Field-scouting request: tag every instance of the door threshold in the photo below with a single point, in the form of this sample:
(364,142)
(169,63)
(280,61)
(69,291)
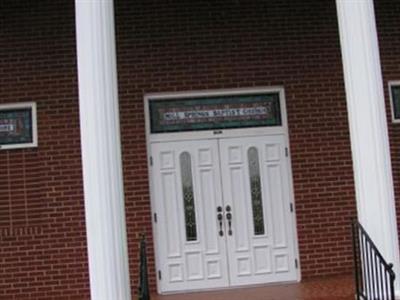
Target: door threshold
(229,288)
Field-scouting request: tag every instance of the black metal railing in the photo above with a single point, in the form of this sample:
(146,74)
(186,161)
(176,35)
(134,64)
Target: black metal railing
(374,276)
(143,275)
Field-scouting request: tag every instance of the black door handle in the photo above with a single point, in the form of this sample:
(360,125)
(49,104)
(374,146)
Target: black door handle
(229,218)
(219,218)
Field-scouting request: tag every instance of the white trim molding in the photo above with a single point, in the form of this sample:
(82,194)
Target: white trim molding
(368,126)
(189,136)
(101,151)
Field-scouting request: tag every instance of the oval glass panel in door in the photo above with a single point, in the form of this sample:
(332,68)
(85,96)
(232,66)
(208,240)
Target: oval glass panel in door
(188,196)
(255,188)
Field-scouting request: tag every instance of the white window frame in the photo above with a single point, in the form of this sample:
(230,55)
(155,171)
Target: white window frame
(390,85)
(207,134)
(32,107)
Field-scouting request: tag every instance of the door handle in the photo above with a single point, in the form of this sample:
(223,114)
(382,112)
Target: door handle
(229,218)
(219,218)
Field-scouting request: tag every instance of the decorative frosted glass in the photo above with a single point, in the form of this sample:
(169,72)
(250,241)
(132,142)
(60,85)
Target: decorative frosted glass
(255,186)
(188,196)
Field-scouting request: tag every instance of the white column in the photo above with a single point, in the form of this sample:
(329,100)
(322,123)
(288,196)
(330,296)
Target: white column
(101,151)
(368,127)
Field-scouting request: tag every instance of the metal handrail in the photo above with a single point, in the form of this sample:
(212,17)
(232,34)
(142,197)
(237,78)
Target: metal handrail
(373,275)
(143,275)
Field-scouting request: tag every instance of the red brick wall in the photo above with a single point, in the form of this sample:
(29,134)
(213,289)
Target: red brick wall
(232,44)
(388,24)
(42,229)
(167,46)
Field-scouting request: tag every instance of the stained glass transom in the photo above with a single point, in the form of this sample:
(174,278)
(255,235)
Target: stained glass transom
(188,196)
(215,112)
(256,195)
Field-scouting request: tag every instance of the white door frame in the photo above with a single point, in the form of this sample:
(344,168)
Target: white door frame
(209,134)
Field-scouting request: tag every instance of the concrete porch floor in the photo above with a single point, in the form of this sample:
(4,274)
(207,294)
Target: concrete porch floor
(329,288)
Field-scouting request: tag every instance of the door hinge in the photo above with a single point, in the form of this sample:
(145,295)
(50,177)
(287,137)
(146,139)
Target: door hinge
(155,217)
(296,263)
(291,207)
(159,274)
(287,151)
(151,160)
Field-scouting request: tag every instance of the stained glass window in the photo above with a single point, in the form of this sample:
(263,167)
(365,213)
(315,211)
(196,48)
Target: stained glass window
(188,196)
(18,125)
(255,187)
(395,97)
(215,112)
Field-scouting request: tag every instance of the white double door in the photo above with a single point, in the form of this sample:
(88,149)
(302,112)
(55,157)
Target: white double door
(222,213)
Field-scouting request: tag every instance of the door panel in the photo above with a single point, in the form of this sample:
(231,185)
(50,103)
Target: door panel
(187,189)
(248,178)
(255,184)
